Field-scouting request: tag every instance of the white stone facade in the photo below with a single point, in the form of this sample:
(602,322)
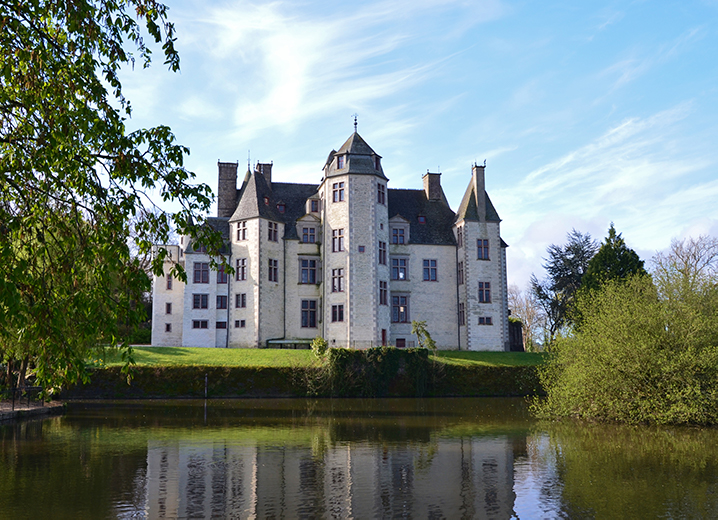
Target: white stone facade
(348,259)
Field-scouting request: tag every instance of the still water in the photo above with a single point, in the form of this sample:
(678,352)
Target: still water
(386,458)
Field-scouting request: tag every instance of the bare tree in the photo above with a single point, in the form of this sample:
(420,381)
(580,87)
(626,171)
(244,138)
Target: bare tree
(526,307)
(690,267)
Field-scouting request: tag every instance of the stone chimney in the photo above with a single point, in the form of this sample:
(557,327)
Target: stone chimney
(477,174)
(266,170)
(226,189)
(432,186)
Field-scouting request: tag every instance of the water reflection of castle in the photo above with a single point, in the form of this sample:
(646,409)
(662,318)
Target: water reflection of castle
(443,478)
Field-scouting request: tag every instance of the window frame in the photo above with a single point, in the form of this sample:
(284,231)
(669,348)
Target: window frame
(337,240)
(338,313)
(382,252)
(240,300)
(200,301)
(402,266)
(338,280)
(200,324)
(311,271)
(396,306)
(383,292)
(484,292)
(240,272)
(222,301)
(482,249)
(430,271)
(221,275)
(309,235)
(273,231)
(168,308)
(381,194)
(338,192)
(201,273)
(273,266)
(241,231)
(308,314)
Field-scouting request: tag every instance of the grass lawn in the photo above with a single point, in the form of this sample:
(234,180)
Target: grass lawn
(466,358)
(224,357)
(167,356)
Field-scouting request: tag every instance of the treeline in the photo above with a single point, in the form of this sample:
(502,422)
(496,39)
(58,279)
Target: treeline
(637,346)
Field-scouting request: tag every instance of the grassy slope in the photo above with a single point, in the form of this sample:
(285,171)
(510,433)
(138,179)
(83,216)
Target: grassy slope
(184,356)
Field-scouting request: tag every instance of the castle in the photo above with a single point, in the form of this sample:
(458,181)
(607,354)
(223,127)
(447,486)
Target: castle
(347,259)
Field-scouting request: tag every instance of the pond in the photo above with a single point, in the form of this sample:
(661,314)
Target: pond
(348,458)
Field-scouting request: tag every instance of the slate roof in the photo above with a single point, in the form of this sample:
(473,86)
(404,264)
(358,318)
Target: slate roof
(219,224)
(360,158)
(411,204)
(251,202)
(294,197)
(468,209)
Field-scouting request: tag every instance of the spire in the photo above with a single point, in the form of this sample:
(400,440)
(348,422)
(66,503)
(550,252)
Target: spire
(355,115)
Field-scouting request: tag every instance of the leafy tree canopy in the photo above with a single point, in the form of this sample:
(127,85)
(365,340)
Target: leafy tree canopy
(565,267)
(71,176)
(613,261)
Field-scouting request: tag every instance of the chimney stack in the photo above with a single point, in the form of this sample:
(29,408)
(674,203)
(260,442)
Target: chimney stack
(266,170)
(477,173)
(432,186)
(226,189)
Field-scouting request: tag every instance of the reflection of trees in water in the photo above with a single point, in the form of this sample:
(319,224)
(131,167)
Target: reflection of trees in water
(614,471)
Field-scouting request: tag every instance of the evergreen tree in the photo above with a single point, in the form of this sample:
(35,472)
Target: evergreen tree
(613,261)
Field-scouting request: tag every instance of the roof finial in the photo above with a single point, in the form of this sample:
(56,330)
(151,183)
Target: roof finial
(354,115)
(249,168)
(484,163)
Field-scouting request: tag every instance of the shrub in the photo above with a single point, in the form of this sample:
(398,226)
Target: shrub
(635,359)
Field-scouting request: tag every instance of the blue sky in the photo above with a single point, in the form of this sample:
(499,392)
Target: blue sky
(586,112)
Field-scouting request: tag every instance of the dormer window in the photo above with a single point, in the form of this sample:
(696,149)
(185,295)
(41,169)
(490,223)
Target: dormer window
(340,162)
(315,206)
(377,164)
(422,219)
(266,201)
(281,208)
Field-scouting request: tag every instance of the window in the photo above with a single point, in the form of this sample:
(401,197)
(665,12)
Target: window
(221,302)
(383,293)
(397,236)
(199,248)
(399,268)
(221,275)
(400,342)
(266,201)
(382,252)
(340,162)
(273,270)
(309,314)
(200,301)
(273,232)
(168,327)
(199,324)
(337,240)
(240,301)
(240,272)
(168,308)
(281,208)
(241,231)
(315,206)
(381,194)
(309,235)
(460,274)
(337,280)
(337,313)
(400,309)
(377,162)
(460,236)
(362,249)
(201,272)
(485,320)
(338,192)
(421,219)
(484,292)
(482,249)
(169,283)
(462,315)
(240,324)
(430,270)
(308,271)
(221,324)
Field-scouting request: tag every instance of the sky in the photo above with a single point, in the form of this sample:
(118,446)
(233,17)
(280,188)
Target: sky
(586,113)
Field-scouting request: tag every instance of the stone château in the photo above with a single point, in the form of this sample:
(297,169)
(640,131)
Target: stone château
(348,259)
